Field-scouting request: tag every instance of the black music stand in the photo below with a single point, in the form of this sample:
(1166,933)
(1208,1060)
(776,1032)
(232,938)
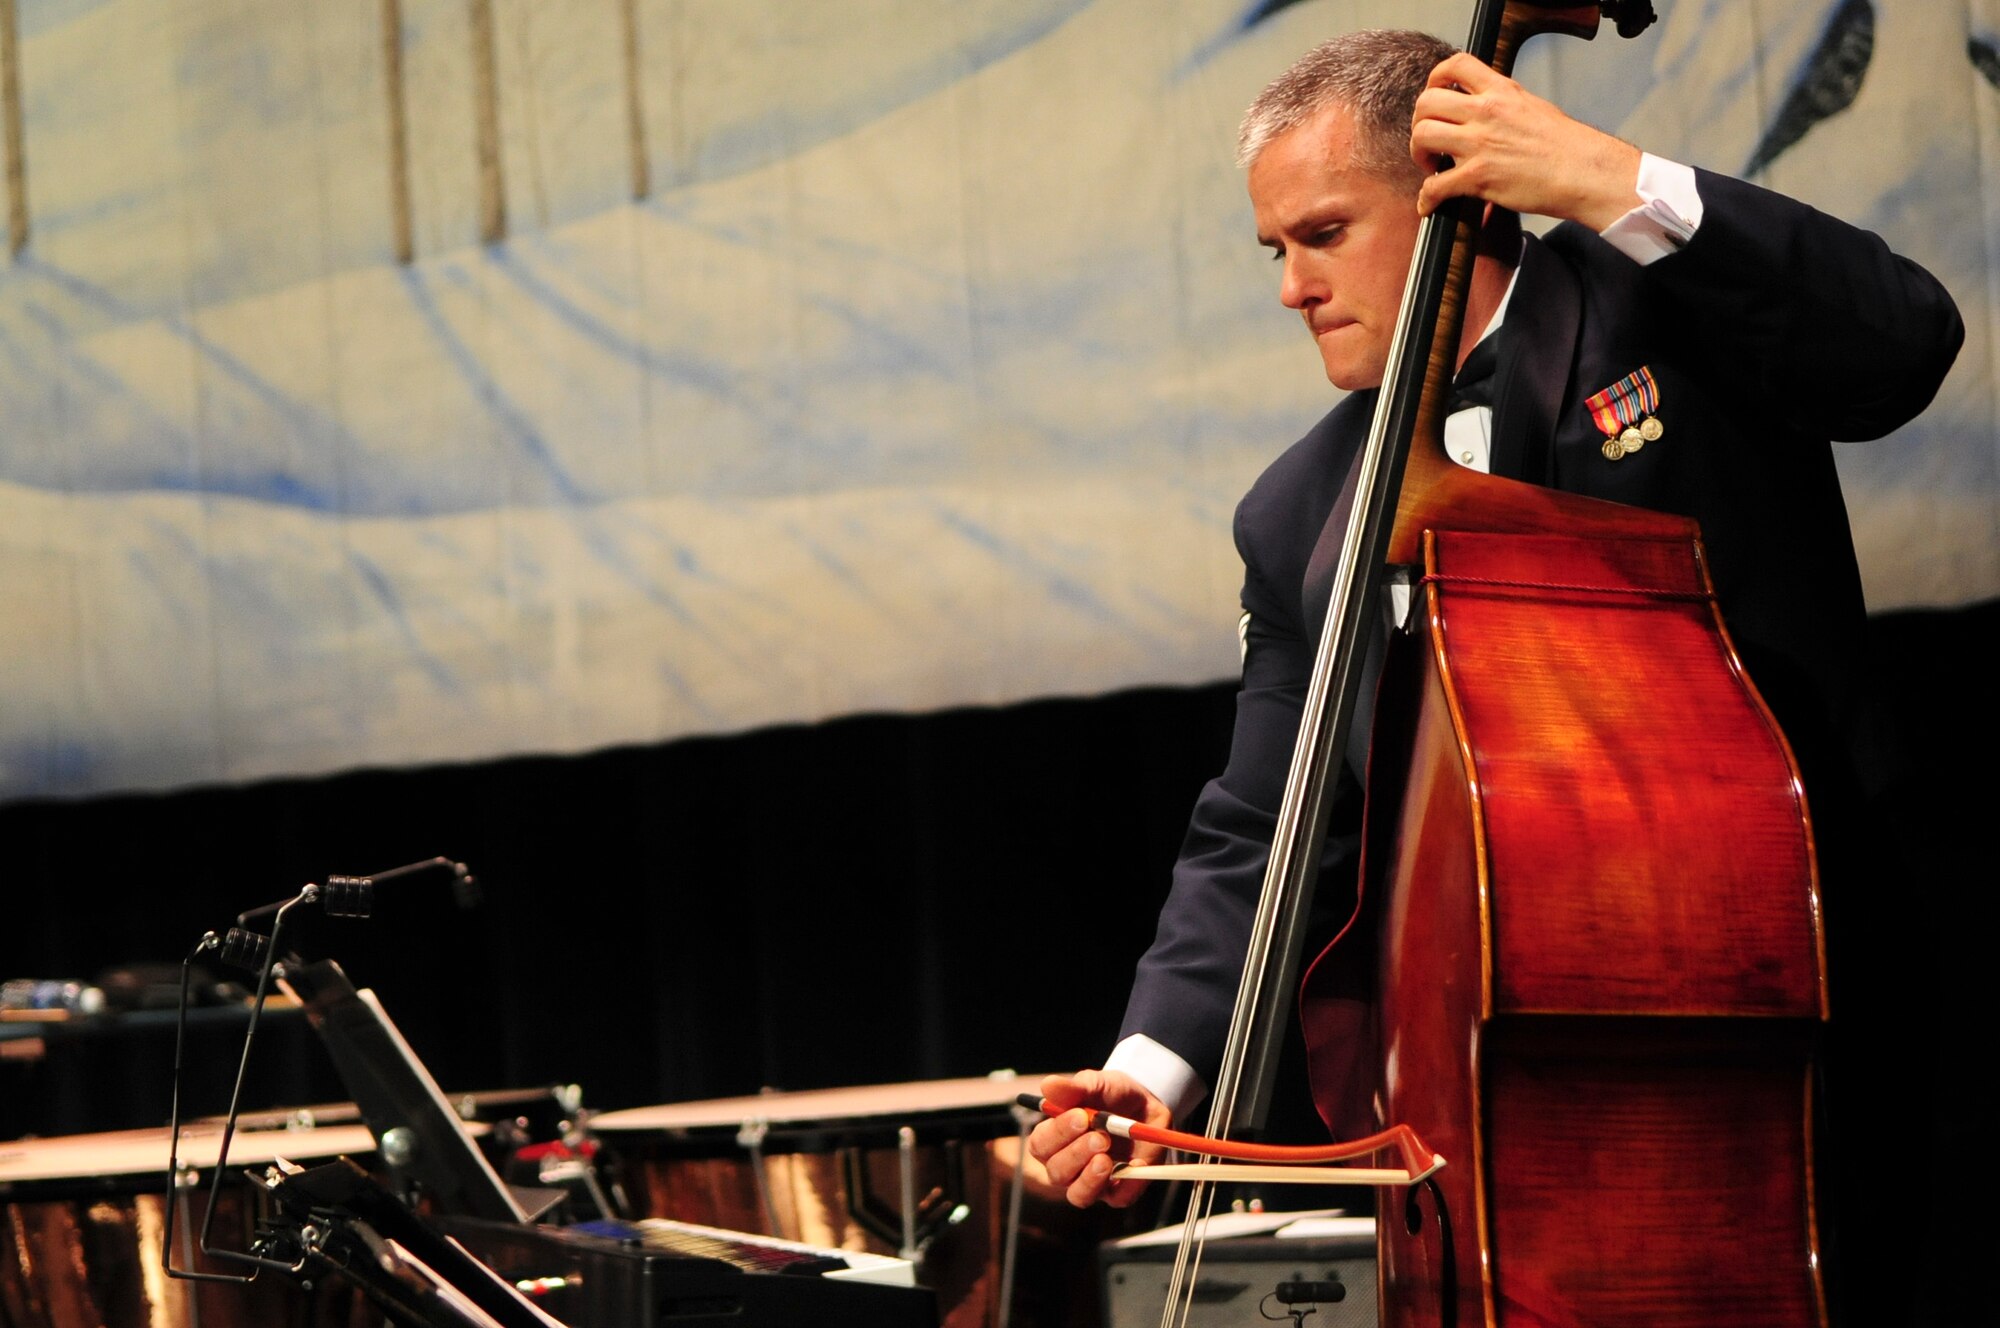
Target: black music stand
(344,1224)
(414,1127)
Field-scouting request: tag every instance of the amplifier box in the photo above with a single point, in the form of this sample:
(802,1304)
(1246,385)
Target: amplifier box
(1241,1275)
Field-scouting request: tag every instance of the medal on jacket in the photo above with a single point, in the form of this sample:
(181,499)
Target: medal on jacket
(1624,413)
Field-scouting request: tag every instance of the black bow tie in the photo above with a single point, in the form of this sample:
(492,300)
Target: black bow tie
(1474,384)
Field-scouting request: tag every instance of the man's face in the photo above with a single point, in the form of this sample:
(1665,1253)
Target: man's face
(1344,237)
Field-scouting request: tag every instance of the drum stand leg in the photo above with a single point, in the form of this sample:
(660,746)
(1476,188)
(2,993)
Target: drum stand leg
(183,1198)
(906,1166)
(905,1222)
(1003,1312)
(750,1136)
(911,1226)
(912,1247)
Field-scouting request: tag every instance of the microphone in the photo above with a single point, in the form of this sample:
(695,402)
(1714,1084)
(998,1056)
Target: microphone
(354,896)
(348,896)
(465,891)
(246,950)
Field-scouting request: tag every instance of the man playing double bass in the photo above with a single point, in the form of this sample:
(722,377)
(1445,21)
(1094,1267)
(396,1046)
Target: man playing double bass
(1739,331)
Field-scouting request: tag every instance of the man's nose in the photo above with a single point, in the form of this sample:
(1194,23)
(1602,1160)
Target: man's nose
(1300,286)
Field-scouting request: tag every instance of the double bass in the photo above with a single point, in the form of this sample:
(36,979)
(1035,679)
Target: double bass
(1590,911)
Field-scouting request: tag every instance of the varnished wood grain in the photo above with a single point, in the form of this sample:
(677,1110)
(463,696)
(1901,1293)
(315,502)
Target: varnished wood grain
(1597,901)
(1600,950)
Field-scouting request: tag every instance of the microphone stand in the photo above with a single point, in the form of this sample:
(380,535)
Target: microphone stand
(341,896)
(354,896)
(252,946)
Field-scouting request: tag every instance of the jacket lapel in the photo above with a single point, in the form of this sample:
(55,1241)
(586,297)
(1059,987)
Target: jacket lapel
(1538,349)
(1317,588)
(1317,585)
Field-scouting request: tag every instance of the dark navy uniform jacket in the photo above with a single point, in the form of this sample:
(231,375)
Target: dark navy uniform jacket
(1775,331)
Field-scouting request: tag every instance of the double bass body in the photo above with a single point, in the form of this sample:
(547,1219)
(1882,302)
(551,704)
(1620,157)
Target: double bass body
(1601,961)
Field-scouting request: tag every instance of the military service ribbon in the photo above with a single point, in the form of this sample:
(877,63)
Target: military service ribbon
(1625,413)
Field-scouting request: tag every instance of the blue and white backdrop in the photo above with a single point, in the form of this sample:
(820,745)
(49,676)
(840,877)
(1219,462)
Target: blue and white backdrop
(404,381)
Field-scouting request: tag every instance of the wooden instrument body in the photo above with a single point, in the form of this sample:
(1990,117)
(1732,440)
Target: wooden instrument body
(1601,961)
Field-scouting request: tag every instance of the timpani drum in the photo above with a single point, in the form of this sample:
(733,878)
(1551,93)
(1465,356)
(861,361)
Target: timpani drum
(83,1220)
(528,1113)
(509,1124)
(900,1169)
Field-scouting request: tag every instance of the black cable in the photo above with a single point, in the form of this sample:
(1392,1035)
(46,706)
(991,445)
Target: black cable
(1413,1220)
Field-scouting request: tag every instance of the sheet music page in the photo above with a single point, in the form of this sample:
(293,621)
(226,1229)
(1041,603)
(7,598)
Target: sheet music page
(457,1300)
(421,1075)
(1220,1226)
(1335,1225)
(542,1316)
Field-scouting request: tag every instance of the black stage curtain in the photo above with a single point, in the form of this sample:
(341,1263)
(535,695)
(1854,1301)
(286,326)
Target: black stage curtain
(880,899)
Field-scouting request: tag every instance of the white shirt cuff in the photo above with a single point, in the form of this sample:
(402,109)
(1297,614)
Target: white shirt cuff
(1160,1072)
(1668,214)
